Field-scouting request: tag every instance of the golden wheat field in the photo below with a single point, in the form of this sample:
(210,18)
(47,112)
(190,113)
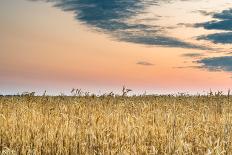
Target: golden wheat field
(110,124)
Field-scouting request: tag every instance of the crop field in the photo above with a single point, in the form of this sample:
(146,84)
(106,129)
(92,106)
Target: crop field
(111,124)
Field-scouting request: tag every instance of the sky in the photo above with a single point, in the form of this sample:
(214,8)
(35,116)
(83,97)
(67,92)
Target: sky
(157,46)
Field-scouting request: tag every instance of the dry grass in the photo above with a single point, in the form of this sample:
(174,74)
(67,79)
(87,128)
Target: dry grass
(116,125)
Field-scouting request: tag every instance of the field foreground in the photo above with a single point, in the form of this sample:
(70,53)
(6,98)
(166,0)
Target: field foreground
(116,125)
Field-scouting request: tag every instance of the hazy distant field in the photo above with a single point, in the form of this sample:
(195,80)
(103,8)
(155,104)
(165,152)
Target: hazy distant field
(116,124)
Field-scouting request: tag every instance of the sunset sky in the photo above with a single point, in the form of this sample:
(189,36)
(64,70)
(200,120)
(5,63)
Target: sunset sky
(158,46)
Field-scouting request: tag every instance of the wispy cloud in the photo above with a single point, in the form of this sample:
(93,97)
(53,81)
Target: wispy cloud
(217,25)
(223,22)
(226,14)
(144,63)
(193,55)
(223,38)
(205,13)
(223,63)
(111,16)
(186,24)
(187,67)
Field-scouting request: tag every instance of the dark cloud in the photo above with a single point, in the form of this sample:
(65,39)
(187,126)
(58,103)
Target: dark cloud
(186,67)
(226,14)
(217,25)
(150,38)
(144,63)
(111,16)
(223,63)
(192,55)
(223,22)
(223,38)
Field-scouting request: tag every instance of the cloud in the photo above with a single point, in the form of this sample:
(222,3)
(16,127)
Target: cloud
(217,25)
(144,63)
(192,55)
(226,14)
(149,38)
(223,38)
(223,63)
(186,24)
(205,13)
(111,17)
(223,22)
(187,67)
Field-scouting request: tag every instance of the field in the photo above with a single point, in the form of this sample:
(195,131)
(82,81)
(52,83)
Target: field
(109,124)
